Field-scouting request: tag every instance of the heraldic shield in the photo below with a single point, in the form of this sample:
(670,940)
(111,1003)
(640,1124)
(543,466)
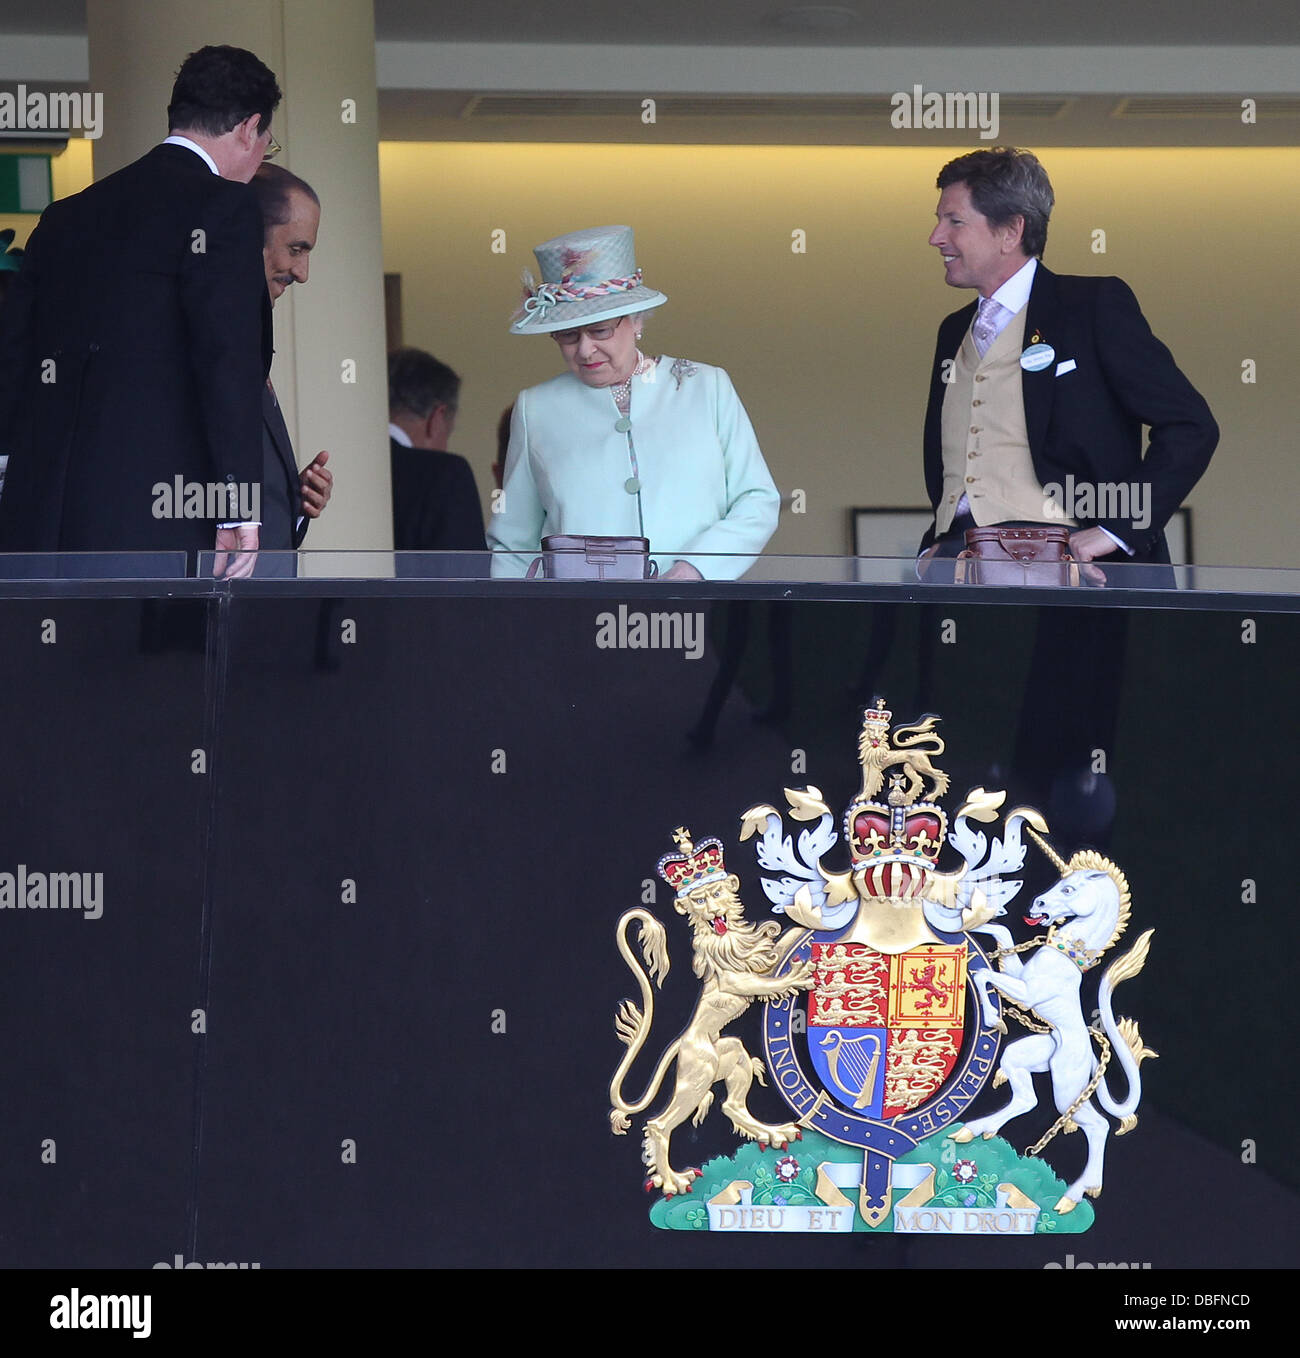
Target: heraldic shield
(884,1032)
(883,1015)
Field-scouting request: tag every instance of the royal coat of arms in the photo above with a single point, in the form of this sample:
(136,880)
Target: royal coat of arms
(884,1013)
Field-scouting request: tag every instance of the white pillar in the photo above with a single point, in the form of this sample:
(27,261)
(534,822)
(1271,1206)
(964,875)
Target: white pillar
(330,363)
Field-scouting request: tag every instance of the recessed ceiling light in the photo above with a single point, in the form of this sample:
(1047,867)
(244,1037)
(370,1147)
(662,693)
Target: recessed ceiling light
(816,18)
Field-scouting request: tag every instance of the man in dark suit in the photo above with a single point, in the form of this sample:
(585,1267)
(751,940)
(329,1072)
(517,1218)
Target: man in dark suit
(1038,397)
(11,260)
(435,501)
(1041,387)
(290,499)
(135,343)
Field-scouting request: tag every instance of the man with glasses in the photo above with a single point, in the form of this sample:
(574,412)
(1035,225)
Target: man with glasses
(135,344)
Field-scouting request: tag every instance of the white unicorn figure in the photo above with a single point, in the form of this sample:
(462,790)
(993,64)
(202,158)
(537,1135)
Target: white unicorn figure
(1087,910)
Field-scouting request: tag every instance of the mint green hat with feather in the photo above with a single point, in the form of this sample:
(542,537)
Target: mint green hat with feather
(587,276)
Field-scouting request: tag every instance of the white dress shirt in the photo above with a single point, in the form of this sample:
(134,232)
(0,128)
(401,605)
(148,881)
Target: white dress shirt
(176,140)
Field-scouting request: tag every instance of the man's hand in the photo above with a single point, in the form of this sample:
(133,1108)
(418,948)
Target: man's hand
(1088,544)
(681,570)
(317,485)
(240,546)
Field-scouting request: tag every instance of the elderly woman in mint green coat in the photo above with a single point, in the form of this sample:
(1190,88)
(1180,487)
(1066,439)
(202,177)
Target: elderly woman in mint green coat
(622,445)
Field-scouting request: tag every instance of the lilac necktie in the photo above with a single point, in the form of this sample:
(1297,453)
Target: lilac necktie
(985,329)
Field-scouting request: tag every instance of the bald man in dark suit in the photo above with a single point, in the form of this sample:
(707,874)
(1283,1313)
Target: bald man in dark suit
(290,499)
(435,501)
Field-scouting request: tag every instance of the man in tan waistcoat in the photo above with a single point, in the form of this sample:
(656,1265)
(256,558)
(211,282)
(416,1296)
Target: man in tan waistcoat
(1041,387)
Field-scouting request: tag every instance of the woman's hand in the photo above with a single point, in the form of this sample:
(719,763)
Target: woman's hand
(681,570)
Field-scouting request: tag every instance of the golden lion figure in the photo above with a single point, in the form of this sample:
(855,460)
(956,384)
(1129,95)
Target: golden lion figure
(735,960)
(875,755)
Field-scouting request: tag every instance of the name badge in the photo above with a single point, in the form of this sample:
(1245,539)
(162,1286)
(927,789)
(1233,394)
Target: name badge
(1037,357)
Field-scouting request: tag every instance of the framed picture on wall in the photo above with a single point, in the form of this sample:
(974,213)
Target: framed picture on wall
(393,310)
(897,531)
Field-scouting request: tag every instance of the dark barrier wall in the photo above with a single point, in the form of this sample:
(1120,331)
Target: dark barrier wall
(349,1001)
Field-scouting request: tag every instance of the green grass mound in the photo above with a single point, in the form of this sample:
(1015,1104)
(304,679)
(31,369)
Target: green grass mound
(966,1177)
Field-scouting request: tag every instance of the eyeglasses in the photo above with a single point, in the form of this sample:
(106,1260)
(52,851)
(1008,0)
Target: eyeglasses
(273,149)
(567,338)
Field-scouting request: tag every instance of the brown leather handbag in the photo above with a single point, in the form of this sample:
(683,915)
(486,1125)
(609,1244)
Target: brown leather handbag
(568,556)
(1017,556)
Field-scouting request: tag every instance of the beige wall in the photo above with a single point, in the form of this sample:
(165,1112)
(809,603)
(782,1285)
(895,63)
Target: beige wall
(70,172)
(830,350)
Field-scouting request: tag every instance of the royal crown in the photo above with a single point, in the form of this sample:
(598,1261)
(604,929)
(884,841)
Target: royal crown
(877,718)
(876,831)
(895,842)
(692,867)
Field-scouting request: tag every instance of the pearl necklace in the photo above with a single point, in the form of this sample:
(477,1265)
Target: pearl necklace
(622,391)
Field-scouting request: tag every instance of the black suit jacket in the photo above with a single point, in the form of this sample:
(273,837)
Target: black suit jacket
(283,523)
(133,350)
(435,502)
(1088,421)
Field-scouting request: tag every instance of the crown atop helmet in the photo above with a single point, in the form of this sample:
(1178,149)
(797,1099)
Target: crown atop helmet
(692,867)
(891,820)
(875,831)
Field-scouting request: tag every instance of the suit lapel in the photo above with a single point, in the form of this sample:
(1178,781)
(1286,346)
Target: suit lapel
(952,331)
(279,432)
(957,325)
(1042,326)
(268,335)
(952,335)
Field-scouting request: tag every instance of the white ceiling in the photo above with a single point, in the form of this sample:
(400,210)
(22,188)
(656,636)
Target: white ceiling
(732,71)
(873,23)
(754,23)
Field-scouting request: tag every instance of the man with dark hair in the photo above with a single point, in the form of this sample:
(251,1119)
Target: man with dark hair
(279,192)
(435,501)
(1040,390)
(216,90)
(290,499)
(1041,387)
(136,341)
